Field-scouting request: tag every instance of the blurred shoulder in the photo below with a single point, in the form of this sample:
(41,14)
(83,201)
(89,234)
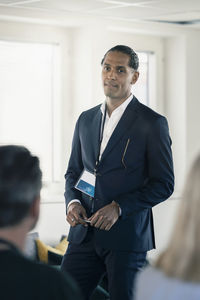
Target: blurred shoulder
(52,278)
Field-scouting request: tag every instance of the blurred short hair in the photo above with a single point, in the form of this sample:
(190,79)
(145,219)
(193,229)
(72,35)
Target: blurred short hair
(20,183)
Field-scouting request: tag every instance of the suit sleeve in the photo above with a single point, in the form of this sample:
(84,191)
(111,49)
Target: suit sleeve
(75,167)
(160,183)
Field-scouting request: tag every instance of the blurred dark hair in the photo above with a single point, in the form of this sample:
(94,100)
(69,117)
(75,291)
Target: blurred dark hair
(134,60)
(20,183)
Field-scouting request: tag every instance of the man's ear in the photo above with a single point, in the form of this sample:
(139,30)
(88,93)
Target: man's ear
(35,208)
(34,212)
(135,77)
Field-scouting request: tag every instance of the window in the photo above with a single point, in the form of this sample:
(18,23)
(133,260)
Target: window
(144,87)
(30,101)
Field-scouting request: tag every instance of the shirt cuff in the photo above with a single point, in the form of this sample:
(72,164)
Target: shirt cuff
(119,208)
(120,211)
(73,201)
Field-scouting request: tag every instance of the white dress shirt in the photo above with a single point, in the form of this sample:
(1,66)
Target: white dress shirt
(109,126)
(111,122)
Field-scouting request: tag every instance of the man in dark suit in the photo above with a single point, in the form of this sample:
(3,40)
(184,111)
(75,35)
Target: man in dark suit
(120,167)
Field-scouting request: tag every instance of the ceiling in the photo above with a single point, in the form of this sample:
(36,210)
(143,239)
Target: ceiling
(183,12)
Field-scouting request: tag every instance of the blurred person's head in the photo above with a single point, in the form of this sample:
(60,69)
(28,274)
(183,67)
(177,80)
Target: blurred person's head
(182,257)
(20,185)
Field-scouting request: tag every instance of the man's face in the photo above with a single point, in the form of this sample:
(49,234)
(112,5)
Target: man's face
(117,76)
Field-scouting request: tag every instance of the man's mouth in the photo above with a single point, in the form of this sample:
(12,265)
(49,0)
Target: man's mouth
(110,84)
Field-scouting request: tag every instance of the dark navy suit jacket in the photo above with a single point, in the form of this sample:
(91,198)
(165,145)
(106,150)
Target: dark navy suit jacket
(144,178)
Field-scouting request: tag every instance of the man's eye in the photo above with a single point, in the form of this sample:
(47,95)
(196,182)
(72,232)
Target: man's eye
(120,71)
(106,68)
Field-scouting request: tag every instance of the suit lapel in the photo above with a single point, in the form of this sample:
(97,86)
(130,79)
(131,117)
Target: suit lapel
(127,119)
(95,132)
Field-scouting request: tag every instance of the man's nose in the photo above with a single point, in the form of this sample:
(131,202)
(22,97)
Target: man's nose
(112,74)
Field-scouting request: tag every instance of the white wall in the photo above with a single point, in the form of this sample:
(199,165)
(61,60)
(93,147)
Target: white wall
(193,94)
(164,220)
(177,92)
(175,101)
(52,222)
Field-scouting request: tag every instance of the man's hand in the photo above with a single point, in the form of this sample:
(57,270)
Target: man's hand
(76,214)
(105,217)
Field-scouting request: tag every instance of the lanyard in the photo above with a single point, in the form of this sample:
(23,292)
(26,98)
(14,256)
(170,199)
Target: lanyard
(101,138)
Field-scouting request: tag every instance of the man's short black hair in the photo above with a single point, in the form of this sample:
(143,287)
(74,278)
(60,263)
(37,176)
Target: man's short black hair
(134,60)
(20,183)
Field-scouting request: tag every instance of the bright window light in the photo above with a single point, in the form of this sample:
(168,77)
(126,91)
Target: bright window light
(30,101)
(144,86)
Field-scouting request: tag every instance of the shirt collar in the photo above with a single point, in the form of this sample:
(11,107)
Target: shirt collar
(121,107)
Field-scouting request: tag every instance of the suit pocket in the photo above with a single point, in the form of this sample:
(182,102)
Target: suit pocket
(124,153)
(77,234)
(133,155)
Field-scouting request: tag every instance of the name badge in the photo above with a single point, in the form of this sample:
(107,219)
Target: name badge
(86,183)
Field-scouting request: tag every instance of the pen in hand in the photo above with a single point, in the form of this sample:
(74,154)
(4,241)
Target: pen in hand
(85,220)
